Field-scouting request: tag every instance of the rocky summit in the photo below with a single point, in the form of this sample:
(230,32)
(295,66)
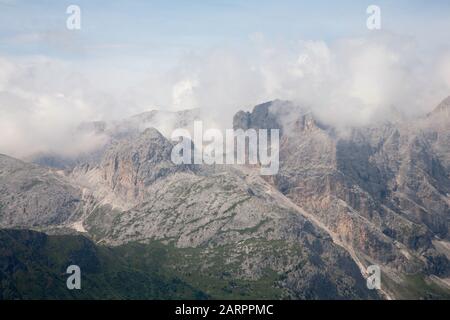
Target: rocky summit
(344,199)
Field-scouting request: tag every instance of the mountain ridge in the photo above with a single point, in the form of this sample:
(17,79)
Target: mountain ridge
(375,195)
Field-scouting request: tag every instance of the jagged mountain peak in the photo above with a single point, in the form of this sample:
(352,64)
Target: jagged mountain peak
(277,114)
(376,194)
(151,133)
(150,146)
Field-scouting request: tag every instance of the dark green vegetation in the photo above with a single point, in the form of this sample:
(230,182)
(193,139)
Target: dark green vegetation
(33,266)
(416,286)
(212,271)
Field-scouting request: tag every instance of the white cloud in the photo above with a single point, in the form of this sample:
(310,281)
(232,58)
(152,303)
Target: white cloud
(183,96)
(444,69)
(349,82)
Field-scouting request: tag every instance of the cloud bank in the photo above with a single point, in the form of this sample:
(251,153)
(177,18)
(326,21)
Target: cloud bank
(347,82)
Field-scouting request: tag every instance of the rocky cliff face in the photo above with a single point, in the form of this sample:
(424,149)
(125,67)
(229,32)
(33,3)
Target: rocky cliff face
(213,208)
(382,191)
(32,196)
(342,200)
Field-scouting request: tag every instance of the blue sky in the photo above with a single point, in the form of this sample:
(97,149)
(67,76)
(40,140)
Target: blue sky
(167,29)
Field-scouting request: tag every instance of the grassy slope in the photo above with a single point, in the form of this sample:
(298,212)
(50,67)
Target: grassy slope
(416,286)
(33,265)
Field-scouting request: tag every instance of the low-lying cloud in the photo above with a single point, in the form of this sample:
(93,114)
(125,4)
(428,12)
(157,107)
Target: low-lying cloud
(347,82)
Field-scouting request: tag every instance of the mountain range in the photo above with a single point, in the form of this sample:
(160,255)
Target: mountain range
(140,226)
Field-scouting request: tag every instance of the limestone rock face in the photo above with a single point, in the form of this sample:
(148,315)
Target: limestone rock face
(144,197)
(382,191)
(129,166)
(341,201)
(32,196)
